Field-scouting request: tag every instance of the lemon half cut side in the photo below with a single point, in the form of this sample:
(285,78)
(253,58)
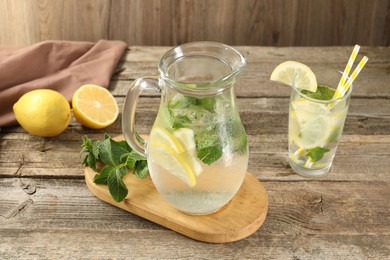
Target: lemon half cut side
(94,106)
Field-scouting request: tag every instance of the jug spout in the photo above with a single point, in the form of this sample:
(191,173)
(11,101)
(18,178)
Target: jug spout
(201,68)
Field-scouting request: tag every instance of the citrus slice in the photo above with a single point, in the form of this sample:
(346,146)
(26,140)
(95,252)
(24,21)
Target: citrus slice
(176,153)
(306,110)
(294,130)
(160,135)
(173,162)
(186,137)
(315,133)
(94,106)
(315,123)
(295,74)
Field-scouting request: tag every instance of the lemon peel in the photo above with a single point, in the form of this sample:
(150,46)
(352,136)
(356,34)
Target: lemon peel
(43,112)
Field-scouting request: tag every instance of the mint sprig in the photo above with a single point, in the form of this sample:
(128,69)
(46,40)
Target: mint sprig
(118,158)
(215,123)
(317,153)
(322,93)
(188,112)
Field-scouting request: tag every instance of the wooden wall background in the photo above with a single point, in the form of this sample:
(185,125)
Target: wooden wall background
(171,22)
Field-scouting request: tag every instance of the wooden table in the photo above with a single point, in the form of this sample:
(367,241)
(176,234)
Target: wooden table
(47,211)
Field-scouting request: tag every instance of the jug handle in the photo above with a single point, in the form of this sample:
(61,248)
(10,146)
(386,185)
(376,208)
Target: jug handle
(128,116)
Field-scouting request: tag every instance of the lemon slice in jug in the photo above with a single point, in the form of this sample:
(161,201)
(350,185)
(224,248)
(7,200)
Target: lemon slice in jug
(173,162)
(176,153)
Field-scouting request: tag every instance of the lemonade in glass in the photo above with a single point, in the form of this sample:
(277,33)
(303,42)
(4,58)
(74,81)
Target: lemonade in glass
(316,117)
(315,126)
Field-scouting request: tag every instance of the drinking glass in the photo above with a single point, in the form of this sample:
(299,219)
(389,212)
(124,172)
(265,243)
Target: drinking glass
(315,127)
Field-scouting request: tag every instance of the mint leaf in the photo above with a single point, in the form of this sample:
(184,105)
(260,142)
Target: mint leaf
(118,149)
(206,139)
(118,158)
(316,153)
(132,158)
(87,147)
(110,151)
(180,101)
(180,122)
(322,93)
(101,178)
(210,154)
(207,103)
(236,134)
(123,145)
(116,186)
(87,144)
(141,169)
(105,153)
(240,144)
(91,161)
(96,148)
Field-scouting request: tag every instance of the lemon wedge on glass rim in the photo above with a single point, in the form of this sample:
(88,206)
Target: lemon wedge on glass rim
(295,74)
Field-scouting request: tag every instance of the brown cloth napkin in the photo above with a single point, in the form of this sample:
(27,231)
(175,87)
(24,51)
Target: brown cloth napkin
(60,65)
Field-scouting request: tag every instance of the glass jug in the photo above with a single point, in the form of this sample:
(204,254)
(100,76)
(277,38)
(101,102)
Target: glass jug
(197,151)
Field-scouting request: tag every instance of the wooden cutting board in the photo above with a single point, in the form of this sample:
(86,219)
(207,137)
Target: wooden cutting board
(241,217)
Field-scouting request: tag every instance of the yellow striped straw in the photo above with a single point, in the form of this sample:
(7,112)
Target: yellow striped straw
(354,74)
(340,88)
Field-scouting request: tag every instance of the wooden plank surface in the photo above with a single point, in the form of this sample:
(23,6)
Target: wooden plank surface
(47,212)
(265,121)
(307,219)
(254,80)
(172,22)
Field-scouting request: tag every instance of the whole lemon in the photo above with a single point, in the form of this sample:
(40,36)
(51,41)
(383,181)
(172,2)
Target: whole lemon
(43,112)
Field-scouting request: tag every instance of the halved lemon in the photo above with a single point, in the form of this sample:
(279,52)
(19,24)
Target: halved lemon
(94,106)
(296,74)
